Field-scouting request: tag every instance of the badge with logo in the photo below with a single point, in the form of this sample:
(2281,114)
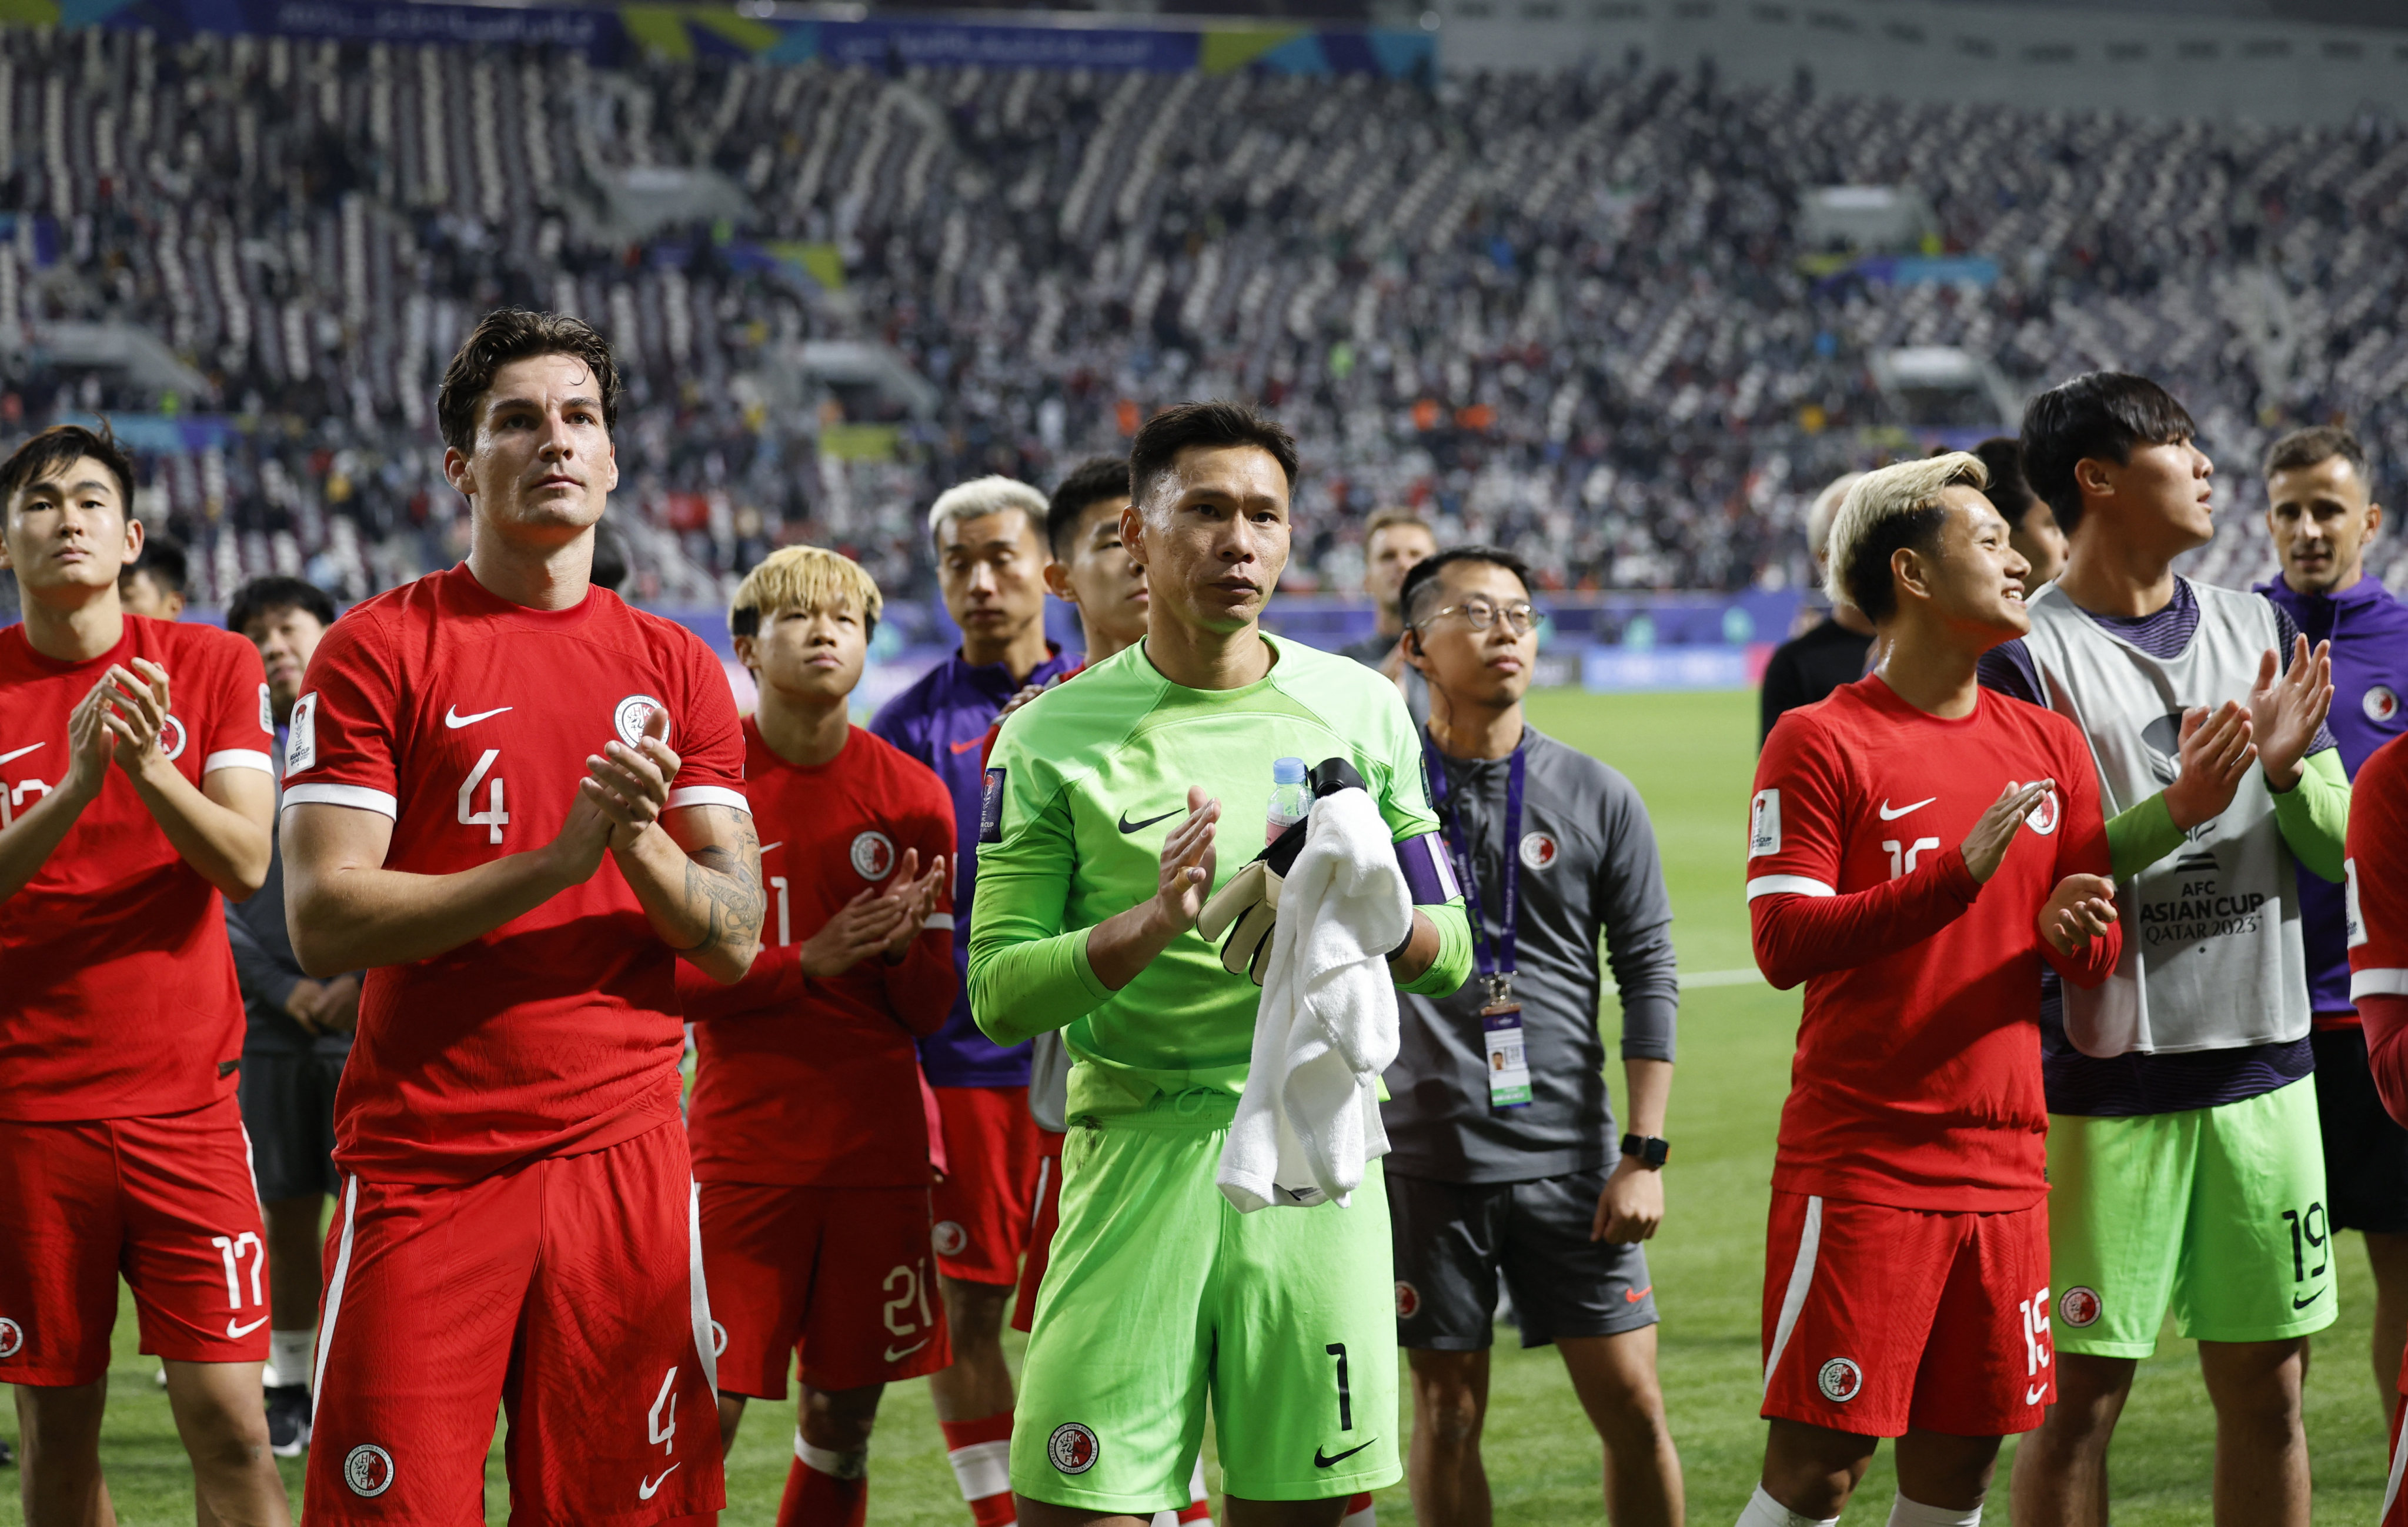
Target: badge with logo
(369,1470)
(171,738)
(1764,825)
(301,742)
(1409,1300)
(718,1340)
(947,1237)
(2080,1306)
(873,855)
(1539,850)
(2381,703)
(1072,1449)
(990,809)
(267,713)
(12,1338)
(2042,818)
(1841,1380)
(629,716)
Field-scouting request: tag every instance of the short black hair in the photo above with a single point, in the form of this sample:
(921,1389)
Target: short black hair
(515,333)
(267,596)
(2099,416)
(1091,483)
(1425,573)
(59,447)
(2317,443)
(2010,492)
(1215,424)
(609,558)
(166,560)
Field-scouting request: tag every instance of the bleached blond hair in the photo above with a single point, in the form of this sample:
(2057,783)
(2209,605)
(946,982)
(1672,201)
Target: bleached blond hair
(1825,507)
(1891,493)
(802,578)
(982,495)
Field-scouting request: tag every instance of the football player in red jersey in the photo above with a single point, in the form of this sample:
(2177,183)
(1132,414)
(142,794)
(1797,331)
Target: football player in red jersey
(809,1121)
(2375,892)
(135,785)
(518,803)
(1917,847)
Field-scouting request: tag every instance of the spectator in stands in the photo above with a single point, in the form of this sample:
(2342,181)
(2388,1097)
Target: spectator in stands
(296,1036)
(2321,511)
(1394,542)
(1834,652)
(2031,525)
(154,586)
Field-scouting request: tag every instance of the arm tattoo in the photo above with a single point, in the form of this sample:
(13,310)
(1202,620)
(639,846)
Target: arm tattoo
(722,888)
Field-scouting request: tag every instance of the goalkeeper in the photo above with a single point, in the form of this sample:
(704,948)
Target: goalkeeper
(1102,841)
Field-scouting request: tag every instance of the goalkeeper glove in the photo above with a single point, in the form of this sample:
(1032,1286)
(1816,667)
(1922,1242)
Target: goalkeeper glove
(1244,913)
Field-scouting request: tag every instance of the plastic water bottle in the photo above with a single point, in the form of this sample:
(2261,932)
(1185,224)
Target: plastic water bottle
(1291,797)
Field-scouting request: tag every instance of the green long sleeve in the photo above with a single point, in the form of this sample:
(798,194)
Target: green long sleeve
(2141,837)
(2314,815)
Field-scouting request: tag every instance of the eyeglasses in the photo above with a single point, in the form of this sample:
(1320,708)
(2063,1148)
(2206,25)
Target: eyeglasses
(1520,616)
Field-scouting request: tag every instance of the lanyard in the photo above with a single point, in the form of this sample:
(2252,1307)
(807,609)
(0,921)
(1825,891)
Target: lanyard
(1498,968)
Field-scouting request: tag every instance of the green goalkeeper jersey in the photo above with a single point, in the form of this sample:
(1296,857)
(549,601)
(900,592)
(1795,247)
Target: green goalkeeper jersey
(1085,782)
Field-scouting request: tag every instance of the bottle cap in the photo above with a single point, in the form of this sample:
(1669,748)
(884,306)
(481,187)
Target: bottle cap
(1288,772)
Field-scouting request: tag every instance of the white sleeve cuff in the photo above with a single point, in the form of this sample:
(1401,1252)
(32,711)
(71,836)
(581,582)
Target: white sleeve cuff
(359,798)
(709,794)
(2377,984)
(938,919)
(1787,886)
(237,757)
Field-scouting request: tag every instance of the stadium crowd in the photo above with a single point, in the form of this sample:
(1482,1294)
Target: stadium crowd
(1576,315)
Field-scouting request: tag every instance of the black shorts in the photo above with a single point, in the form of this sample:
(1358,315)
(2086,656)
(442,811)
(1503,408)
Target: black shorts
(1454,1240)
(288,1109)
(2366,1151)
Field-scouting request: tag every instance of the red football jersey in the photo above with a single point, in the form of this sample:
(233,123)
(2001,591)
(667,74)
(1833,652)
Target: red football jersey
(809,1083)
(120,995)
(468,720)
(1917,1079)
(2376,895)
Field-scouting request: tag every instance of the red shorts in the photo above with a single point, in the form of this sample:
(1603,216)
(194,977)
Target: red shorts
(166,1199)
(798,1270)
(568,1292)
(982,1205)
(1041,1226)
(2395,1500)
(1877,1319)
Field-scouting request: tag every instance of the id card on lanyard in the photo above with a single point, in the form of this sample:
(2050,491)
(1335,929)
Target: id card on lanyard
(1500,1016)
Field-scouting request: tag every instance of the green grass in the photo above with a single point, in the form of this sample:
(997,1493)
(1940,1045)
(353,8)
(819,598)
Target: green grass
(1691,756)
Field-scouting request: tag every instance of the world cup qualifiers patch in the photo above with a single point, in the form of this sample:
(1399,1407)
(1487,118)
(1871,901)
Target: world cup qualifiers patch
(301,742)
(990,809)
(1764,825)
(369,1470)
(1841,1380)
(1072,1449)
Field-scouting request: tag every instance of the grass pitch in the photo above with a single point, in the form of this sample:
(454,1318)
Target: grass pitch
(1691,756)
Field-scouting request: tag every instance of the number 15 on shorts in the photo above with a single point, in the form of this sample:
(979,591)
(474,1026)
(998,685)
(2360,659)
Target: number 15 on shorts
(2037,1350)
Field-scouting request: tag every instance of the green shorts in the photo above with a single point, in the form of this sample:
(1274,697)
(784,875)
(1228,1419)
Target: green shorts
(2217,1213)
(1160,1295)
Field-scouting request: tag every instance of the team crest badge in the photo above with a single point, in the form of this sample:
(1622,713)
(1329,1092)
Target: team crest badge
(1072,1449)
(2044,817)
(629,716)
(2080,1306)
(1409,1300)
(1841,1380)
(2381,703)
(873,855)
(171,738)
(12,1338)
(1539,850)
(369,1470)
(947,1237)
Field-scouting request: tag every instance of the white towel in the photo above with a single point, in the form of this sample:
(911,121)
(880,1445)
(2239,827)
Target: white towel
(1309,1120)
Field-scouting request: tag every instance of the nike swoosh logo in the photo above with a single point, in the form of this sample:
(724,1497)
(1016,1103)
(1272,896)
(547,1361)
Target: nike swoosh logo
(2035,1394)
(1127,826)
(2299,1304)
(1889,816)
(894,1356)
(1635,1295)
(1321,1462)
(650,1488)
(965,747)
(238,1333)
(454,719)
(5,758)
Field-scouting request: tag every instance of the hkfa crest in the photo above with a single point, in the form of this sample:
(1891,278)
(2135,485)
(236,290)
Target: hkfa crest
(369,1470)
(873,855)
(1539,850)
(1409,1300)
(12,1338)
(2381,703)
(948,1238)
(1072,1449)
(2080,1306)
(1840,1380)
(629,716)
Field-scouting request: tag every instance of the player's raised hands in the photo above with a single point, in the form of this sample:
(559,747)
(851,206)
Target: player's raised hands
(911,897)
(2081,908)
(866,924)
(585,836)
(134,710)
(631,786)
(2215,754)
(1985,846)
(1188,862)
(2286,708)
(90,743)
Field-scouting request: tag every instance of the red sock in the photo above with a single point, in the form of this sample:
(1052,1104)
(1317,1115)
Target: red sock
(1199,1511)
(824,1490)
(980,1453)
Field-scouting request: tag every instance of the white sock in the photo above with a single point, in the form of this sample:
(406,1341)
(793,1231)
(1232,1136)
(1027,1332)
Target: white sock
(1764,1511)
(288,1356)
(1367,1517)
(1906,1513)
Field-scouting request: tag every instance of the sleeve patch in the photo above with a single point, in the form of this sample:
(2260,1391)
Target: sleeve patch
(1764,825)
(990,809)
(301,747)
(2355,919)
(267,711)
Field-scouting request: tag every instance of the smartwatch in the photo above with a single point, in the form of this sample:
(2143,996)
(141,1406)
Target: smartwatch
(1650,1149)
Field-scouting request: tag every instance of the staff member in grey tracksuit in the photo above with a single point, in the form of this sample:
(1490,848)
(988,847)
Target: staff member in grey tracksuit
(1504,1157)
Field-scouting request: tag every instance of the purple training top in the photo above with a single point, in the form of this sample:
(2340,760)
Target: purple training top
(2369,632)
(942,720)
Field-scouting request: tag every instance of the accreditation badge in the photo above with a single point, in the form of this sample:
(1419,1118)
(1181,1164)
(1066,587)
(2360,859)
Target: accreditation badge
(1509,1063)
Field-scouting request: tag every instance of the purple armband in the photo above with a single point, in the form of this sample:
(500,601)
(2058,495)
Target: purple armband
(1429,874)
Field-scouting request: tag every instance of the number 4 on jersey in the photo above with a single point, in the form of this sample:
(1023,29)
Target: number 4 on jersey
(492,817)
